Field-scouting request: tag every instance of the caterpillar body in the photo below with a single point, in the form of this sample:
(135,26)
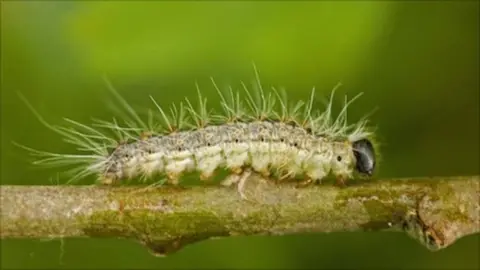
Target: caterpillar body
(262,133)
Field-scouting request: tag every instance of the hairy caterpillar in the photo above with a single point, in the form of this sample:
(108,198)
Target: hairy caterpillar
(262,133)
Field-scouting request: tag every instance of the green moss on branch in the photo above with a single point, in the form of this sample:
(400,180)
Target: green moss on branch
(437,211)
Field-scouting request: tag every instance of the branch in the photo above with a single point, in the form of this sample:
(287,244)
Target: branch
(435,211)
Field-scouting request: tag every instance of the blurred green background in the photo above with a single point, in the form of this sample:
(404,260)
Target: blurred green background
(417,63)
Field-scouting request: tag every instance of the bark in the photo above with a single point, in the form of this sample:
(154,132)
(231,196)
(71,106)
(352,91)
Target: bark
(435,211)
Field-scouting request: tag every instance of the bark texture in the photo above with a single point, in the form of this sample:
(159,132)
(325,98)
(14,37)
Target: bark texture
(435,211)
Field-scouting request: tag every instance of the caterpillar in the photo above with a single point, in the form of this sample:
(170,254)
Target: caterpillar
(257,131)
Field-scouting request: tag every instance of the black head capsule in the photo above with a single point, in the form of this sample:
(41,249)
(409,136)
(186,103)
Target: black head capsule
(365,156)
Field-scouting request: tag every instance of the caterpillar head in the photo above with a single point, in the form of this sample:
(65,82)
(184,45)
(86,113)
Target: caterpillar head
(364,153)
(358,156)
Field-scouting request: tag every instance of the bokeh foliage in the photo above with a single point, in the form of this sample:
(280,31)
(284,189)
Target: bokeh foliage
(416,62)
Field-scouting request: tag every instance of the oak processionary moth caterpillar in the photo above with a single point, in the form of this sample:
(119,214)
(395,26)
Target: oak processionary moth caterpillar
(262,133)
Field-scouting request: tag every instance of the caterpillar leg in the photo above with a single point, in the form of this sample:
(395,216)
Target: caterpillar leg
(341,181)
(108,179)
(305,183)
(231,180)
(239,179)
(268,174)
(145,135)
(206,176)
(207,166)
(237,170)
(173,178)
(312,176)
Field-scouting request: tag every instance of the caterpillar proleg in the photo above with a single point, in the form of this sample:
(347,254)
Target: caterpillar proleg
(257,131)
